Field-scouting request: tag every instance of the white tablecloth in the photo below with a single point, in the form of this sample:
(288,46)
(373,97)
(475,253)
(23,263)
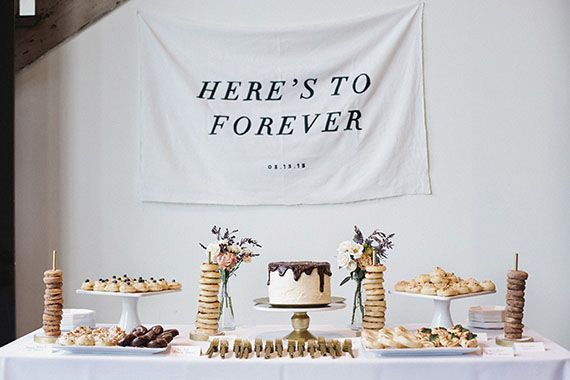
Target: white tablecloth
(22,360)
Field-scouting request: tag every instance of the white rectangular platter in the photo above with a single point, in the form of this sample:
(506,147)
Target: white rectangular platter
(440,298)
(119,294)
(437,351)
(109,350)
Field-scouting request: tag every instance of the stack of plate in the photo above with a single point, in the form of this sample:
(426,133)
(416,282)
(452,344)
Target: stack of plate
(73,318)
(487,317)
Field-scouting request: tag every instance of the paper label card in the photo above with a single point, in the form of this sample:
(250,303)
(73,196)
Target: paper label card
(499,351)
(186,351)
(529,347)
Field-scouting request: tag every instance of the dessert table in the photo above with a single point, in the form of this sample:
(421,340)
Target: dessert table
(24,360)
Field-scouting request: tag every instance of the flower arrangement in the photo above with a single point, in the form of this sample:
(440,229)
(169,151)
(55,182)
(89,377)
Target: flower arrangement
(229,252)
(356,255)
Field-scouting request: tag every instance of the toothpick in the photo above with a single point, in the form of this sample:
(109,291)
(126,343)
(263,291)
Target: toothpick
(373,258)
(516,261)
(209,257)
(53,259)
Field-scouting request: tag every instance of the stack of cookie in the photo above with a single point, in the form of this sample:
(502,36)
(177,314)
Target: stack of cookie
(53,302)
(208,302)
(516,283)
(375,304)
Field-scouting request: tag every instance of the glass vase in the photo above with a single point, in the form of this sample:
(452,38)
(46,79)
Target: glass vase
(227,316)
(357,308)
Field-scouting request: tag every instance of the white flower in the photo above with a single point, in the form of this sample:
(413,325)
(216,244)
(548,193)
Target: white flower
(352,266)
(350,247)
(357,250)
(343,259)
(234,248)
(213,249)
(344,246)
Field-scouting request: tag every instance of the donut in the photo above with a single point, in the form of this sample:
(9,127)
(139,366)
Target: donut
(205,267)
(515,303)
(376,292)
(210,287)
(211,274)
(375,297)
(205,280)
(209,299)
(375,268)
(373,325)
(374,275)
(516,293)
(373,313)
(374,303)
(515,287)
(517,275)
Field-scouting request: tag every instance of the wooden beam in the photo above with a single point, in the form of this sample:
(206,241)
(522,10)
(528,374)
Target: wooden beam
(57,20)
(7,261)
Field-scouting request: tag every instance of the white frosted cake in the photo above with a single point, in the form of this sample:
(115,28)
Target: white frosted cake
(299,283)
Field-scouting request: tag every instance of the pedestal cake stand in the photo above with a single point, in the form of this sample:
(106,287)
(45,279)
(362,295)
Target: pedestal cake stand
(129,312)
(300,319)
(441,305)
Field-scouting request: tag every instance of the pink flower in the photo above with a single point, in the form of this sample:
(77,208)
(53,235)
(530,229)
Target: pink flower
(226,260)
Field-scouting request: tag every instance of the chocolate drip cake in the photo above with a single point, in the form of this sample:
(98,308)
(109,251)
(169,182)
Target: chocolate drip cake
(299,283)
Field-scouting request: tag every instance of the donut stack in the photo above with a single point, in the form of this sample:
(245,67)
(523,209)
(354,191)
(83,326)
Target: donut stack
(53,302)
(516,283)
(208,302)
(375,304)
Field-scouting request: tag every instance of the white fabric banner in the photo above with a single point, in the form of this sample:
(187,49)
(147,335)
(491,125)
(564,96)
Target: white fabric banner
(323,113)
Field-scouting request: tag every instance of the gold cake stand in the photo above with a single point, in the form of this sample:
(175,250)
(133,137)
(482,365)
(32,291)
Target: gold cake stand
(300,319)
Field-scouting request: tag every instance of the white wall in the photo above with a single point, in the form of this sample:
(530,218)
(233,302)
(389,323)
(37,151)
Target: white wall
(498,94)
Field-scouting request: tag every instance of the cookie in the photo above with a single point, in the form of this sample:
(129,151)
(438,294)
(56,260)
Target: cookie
(368,287)
(213,315)
(373,313)
(374,275)
(375,292)
(208,299)
(375,268)
(375,309)
(213,323)
(376,297)
(373,325)
(515,287)
(204,280)
(205,267)
(209,305)
(211,274)
(51,273)
(207,293)
(206,331)
(517,275)
(206,326)
(373,319)
(374,303)
(210,287)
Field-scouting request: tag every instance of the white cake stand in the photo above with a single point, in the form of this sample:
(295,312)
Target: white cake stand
(300,319)
(129,312)
(441,305)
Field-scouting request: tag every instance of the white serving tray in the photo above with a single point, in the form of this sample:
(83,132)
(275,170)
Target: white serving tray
(119,294)
(441,298)
(486,325)
(109,350)
(436,351)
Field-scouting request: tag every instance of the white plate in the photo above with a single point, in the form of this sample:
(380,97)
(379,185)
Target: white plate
(486,325)
(437,351)
(109,350)
(487,313)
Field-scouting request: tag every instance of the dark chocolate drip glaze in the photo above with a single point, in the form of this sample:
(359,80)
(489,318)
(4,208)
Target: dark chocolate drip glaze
(300,267)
